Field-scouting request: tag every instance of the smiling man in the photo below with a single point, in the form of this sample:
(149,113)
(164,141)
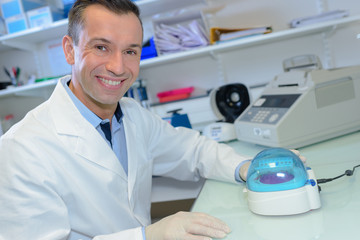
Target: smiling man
(105,55)
(80,165)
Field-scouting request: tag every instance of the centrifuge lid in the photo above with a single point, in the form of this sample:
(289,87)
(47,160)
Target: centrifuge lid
(276,169)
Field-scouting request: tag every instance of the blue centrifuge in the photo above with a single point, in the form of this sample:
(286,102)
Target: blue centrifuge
(278,183)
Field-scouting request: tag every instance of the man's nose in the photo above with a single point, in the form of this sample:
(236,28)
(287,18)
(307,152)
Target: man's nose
(116,63)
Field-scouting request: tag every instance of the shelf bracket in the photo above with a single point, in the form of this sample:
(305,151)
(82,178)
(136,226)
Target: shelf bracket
(326,38)
(322,6)
(221,72)
(213,55)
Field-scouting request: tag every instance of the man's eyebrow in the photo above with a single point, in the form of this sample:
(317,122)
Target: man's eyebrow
(134,45)
(100,40)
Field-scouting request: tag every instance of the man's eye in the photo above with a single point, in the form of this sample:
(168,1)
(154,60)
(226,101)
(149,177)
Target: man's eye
(101,48)
(130,52)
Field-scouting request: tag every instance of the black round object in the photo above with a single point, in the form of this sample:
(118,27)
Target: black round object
(3,85)
(232,100)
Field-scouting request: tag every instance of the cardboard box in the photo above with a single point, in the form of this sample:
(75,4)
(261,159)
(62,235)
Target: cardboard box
(11,8)
(43,16)
(16,23)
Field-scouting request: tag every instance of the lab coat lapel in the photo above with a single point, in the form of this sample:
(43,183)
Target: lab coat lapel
(140,166)
(93,147)
(133,158)
(88,144)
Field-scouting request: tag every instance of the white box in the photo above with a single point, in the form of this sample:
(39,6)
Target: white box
(43,16)
(16,23)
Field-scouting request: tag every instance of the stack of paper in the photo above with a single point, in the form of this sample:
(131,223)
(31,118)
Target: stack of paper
(180,37)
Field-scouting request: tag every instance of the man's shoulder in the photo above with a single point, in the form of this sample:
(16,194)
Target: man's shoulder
(32,121)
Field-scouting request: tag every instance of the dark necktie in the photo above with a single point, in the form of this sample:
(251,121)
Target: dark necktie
(105,127)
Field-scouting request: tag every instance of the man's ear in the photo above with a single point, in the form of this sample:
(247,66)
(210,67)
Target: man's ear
(68,48)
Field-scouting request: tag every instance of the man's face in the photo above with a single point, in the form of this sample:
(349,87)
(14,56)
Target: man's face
(105,63)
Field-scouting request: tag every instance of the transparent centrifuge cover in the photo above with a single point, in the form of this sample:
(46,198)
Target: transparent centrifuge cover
(276,169)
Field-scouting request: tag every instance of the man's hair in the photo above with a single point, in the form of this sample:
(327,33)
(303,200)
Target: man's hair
(76,18)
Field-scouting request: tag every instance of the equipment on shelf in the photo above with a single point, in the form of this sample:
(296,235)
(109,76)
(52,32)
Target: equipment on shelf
(227,103)
(304,105)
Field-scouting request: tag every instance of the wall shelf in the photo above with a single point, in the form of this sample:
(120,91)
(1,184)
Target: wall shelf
(27,90)
(28,39)
(250,41)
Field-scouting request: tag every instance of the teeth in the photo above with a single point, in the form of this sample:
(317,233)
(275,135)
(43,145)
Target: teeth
(109,82)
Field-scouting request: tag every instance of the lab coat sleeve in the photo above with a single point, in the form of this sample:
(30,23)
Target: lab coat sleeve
(184,154)
(193,155)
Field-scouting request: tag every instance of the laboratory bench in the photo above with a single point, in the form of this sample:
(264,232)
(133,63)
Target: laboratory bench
(337,218)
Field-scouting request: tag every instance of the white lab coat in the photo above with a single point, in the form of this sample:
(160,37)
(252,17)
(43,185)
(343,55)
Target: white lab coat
(59,179)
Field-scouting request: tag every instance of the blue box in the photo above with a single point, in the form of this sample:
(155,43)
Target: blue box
(16,23)
(179,120)
(148,50)
(11,8)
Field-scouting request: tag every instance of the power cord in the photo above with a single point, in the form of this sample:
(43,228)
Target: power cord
(347,173)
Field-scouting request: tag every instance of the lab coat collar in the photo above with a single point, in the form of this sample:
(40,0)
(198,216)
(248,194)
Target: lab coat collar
(69,122)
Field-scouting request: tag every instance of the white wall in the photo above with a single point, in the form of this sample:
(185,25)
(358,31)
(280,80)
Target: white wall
(14,58)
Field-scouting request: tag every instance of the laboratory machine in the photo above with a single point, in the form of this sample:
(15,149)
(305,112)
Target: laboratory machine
(278,183)
(302,106)
(227,103)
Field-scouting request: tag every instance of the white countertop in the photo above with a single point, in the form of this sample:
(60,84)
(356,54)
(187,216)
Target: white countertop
(338,217)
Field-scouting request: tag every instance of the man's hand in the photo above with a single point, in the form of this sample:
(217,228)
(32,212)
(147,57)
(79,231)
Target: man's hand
(302,158)
(187,226)
(244,170)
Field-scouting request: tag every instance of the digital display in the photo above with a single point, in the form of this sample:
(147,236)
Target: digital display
(277,101)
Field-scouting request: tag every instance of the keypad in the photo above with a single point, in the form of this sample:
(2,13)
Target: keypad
(260,116)
(263,115)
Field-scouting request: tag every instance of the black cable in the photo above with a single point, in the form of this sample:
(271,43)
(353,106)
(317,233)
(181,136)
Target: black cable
(347,173)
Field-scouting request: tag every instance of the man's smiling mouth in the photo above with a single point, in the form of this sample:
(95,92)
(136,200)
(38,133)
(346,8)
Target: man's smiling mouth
(110,82)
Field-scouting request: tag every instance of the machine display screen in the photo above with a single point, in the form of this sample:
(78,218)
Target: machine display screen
(276,101)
